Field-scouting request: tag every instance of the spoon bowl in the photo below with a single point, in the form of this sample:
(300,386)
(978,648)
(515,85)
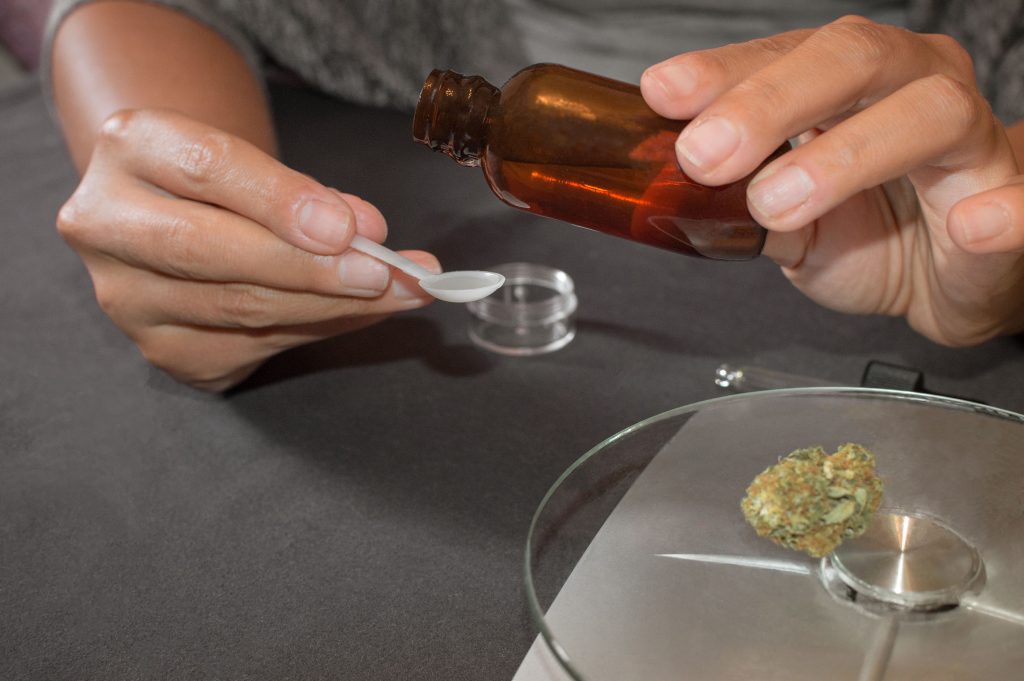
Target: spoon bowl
(452,287)
(462,286)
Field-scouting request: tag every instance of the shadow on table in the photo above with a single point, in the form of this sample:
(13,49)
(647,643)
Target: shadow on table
(392,341)
(403,339)
(388,419)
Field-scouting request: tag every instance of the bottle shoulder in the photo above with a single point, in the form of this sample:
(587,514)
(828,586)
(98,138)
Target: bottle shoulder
(548,77)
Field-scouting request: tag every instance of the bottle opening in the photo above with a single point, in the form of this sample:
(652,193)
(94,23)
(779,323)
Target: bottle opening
(425,107)
(451,115)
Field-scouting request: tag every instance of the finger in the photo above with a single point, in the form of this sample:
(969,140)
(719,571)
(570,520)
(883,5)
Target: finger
(939,126)
(838,70)
(193,160)
(681,87)
(370,221)
(990,221)
(191,240)
(163,300)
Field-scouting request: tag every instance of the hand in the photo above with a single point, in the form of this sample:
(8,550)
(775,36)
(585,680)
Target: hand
(212,256)
(904,196)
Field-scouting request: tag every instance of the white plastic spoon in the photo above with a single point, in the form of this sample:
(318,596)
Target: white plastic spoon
(453,287)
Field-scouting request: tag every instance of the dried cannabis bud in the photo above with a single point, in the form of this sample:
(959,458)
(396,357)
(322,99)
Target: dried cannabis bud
(811,501)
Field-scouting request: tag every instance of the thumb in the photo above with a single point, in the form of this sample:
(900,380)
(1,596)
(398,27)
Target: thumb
(991,221)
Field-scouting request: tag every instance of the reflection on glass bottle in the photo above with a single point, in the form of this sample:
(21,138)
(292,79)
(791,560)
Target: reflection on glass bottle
(588,150)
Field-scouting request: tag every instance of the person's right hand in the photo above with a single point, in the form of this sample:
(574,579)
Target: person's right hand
(905,197)
(212,256)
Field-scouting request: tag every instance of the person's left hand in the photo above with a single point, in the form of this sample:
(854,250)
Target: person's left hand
(904,197)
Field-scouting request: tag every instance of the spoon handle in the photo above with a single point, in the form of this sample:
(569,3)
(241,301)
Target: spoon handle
(385,254)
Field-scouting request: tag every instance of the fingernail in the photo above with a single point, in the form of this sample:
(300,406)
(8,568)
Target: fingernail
(781,191)
(708,144)
(984,222)
(362,275)
(369,219)
(406,289)
(325,223)
(674,80)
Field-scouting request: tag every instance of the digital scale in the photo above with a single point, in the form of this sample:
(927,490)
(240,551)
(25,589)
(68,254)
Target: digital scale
(640,565)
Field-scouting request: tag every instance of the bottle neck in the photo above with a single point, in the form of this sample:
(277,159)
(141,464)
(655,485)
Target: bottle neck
(451,115)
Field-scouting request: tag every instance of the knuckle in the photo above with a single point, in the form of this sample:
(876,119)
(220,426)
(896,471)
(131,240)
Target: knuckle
(860,39)
(709,64)
(247,306)
(950,49)
(853,19)
(772,46)
(283,197)
(80,218)
(764,98)
(161,352)
(853,151)
(275,190)
(201,159)
(119,126)
(71,221)
(960,103)
(107,296)
(179,247)
(294,190)
(286,195)
(188,360)
(202,374)
(152,348)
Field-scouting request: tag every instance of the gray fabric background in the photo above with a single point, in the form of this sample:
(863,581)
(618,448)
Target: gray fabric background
(378,51)
(358,509)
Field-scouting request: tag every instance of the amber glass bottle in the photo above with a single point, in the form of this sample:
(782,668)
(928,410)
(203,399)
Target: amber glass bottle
(587,150)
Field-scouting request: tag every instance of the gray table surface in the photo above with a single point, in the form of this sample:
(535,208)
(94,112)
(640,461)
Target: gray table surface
(358,508)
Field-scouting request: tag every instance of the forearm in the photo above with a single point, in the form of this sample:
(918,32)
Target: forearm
(116,55)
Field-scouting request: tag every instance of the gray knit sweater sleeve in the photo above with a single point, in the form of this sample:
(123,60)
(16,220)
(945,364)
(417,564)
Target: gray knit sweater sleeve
(379,51)
(992,31)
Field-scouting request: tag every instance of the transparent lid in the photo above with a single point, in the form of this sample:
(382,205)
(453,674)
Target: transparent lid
(639,564)
(534,313)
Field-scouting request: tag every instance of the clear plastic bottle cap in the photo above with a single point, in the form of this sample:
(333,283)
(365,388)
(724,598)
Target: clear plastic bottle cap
(533,313)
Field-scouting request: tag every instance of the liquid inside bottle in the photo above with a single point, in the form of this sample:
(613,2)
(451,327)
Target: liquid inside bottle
(587,150)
